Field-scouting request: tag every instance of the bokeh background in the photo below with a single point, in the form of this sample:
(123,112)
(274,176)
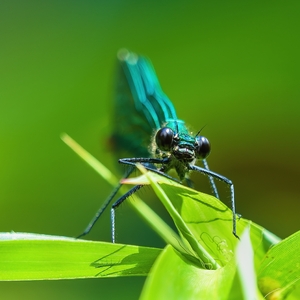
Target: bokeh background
(230,65)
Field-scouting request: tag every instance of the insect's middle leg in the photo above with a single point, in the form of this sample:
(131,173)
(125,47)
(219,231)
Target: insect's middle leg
(104,205)
(211,180)
(116,205)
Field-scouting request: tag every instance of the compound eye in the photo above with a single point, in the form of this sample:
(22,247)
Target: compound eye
(164,138)
(202,147)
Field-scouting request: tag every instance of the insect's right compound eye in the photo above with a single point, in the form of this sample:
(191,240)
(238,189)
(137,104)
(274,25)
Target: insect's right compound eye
(164,138)
(202,147)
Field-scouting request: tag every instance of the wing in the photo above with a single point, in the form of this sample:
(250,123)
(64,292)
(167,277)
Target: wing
(141,107)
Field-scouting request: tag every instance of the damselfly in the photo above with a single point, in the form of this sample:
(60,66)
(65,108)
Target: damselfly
(146,128)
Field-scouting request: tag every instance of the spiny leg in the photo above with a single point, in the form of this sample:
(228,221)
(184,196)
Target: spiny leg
(116,205)
(211,180)
(226,181)
(104,205)
(146,162)
(131,162)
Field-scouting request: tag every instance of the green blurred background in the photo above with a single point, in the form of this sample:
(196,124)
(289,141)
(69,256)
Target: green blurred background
(230,65)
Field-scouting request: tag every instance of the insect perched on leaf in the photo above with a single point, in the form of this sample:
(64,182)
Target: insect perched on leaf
(146,129)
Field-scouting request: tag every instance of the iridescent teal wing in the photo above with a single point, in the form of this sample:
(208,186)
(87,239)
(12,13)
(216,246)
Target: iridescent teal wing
(140,107)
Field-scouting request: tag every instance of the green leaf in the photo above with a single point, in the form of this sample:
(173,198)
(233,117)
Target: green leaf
(25,256)
(174,277)
(208,220)
(279,272)
(245,268)
(105,173)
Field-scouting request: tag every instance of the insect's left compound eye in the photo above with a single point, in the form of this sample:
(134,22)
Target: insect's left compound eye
(202,147)
(164,138)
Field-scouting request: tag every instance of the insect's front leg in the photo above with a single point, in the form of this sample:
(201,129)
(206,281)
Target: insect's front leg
(148,163)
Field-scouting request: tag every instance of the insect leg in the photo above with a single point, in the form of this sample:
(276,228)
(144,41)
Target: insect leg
(116,205)
(211,180)
(226,181)
(104,206)
(148,164)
